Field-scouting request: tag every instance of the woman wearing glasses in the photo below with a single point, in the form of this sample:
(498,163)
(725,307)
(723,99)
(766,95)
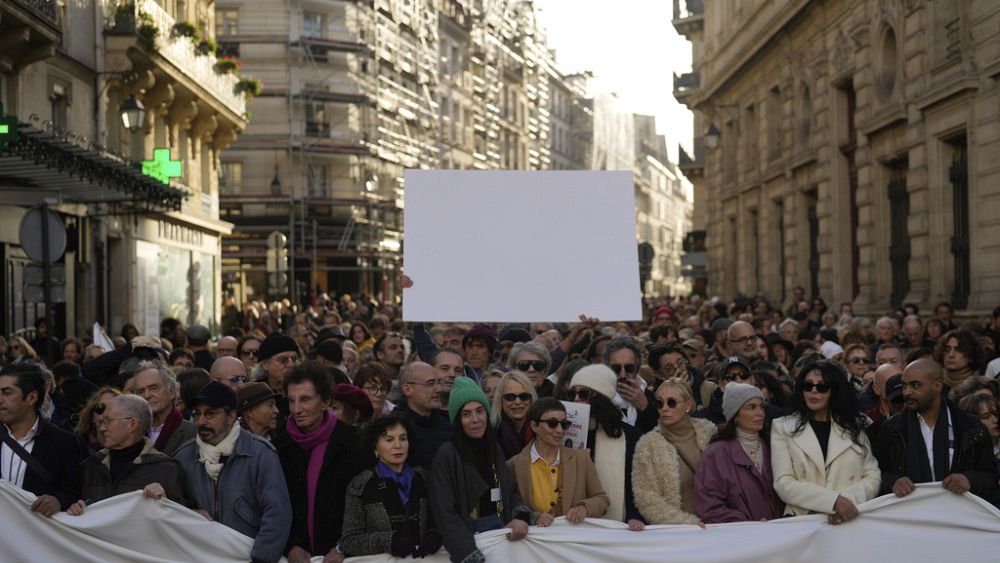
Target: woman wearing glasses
(375,382)
(857,363)
(667,458)
(732,369)
(19,351)
(553,479)
(515,395)
(247,349)
(820,455)
(610,440)
(533,360)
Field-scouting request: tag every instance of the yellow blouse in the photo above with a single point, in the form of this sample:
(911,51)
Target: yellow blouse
(544,484)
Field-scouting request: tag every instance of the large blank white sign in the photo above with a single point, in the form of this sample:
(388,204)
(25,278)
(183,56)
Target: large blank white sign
(507,246)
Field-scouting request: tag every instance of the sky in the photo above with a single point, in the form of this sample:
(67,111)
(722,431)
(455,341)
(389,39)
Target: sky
(632,50)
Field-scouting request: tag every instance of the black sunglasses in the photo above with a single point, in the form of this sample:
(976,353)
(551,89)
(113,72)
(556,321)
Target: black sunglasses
(629,368)
(741,375)
(99,408)
(671,403)
(808,386)
(859,360)
(248,352)
(553,422)
(525,365)
(510,397)
(582,393)
(235,378)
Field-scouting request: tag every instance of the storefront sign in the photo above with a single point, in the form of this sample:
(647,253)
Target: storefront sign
(161,167)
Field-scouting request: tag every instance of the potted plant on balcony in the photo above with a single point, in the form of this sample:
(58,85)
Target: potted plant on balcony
(185,29)
(227,65)
(250,87)
(148,31)
(206,47)
(124,18)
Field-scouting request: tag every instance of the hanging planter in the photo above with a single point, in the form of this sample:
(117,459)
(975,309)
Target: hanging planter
(148,31)
(185,29)
(248,86)
(206,47)
(227,65)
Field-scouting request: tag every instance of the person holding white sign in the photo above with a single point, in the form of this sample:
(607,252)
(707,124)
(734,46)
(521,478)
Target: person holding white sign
(553,479)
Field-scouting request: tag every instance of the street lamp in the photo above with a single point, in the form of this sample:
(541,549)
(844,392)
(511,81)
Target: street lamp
(133,114)
(712,137)
(276,183)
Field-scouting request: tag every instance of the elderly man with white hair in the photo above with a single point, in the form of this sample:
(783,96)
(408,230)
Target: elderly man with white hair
(128,461)
(157,384)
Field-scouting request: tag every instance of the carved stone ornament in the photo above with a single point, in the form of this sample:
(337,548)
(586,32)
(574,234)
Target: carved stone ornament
(843,53)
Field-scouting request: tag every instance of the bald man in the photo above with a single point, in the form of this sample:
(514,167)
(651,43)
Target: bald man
(882,407)
(931,440)
(226,347)
(230,371)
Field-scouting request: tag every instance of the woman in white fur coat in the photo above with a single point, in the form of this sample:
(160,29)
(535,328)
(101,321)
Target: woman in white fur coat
(667,458)
(820,455)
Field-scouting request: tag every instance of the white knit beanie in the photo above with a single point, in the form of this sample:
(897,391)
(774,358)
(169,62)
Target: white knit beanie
(598,377)
(735,396)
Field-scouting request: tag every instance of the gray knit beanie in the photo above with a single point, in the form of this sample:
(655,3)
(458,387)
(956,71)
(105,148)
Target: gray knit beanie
(735,396)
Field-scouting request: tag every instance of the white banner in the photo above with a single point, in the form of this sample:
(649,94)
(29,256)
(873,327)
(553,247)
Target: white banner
(931,524)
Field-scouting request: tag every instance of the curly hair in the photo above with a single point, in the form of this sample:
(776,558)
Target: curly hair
(377,427)
(844,408)
(968,344)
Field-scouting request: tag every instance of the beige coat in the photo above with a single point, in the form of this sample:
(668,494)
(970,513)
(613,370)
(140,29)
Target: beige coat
(656,471)
(809,484)
(578,481)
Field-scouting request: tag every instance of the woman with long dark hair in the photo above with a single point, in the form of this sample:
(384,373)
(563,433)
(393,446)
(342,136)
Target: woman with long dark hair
(734,481)
(610,440)
(821,457)
(472,490)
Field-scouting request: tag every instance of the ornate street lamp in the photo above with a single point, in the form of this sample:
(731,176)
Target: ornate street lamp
(712,137)
(133,114)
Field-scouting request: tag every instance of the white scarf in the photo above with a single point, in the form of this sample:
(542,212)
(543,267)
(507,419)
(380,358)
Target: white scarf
(210,455)
(609,461)
(631,415)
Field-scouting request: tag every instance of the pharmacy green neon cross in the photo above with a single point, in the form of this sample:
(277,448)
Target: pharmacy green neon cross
(8,128)
(161,167)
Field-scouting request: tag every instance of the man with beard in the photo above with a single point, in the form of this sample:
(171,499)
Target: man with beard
(234,477)
(421,387)
(932,440)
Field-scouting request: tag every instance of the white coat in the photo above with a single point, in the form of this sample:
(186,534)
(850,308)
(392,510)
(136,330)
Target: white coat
(807,482)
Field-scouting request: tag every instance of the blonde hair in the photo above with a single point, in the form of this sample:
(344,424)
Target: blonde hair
(680,386)
(496,409)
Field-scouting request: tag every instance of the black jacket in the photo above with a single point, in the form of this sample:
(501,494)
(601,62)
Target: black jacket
(342,460)
(60,454)
(150,466)
(973,454)
(429,432)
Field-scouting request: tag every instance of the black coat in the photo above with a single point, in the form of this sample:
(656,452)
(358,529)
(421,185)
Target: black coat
(150,466)
(60,453)
(342,460)
(973,454)
(429,433)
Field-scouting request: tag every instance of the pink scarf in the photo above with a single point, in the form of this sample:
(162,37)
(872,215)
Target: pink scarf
(315,443)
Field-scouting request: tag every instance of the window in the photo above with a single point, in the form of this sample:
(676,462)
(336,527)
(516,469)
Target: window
(60,102)
(885,65)
(775,117)
(750,142)
(230,178)
(805,116)
(316,123)
(226,21)
(313,25)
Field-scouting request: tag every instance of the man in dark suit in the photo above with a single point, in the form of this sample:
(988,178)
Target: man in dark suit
(35,455)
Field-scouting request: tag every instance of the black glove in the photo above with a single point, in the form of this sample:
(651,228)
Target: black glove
(429,545)
(401,546)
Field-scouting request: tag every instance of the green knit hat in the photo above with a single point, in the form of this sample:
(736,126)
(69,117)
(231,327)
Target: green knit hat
(463,391)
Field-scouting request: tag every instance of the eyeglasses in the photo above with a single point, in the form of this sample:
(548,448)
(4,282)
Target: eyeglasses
(741,375)
(511,397)
(808,386)
(15,347)
(285,360)
(670,403)
(428,383)
(105,421)
(99,408)
(744,339)
(207,415)
(248,352)
(582,393)
(375,389)
(629,368)
(553,422)
(527,365)
(859,360)
(235,378)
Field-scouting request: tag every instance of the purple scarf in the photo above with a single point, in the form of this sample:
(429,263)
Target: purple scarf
(315,443)
(403,479)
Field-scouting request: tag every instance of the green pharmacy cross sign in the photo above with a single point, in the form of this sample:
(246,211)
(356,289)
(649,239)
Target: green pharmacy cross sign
(8,128)
(161,167)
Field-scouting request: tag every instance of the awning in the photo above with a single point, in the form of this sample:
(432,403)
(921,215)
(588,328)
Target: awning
(42,162)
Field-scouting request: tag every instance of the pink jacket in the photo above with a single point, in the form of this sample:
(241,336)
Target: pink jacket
(728,488)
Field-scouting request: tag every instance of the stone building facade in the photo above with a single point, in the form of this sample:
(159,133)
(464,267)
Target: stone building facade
(848,147)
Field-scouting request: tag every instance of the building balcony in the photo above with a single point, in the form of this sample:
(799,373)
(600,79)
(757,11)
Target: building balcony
(689,17)
(139,36)
(686,84)
(29,32)
(693,166)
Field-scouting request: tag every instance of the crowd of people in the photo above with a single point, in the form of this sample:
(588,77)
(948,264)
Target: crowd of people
(340,430)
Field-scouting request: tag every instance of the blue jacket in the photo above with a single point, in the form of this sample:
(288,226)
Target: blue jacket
(250,496)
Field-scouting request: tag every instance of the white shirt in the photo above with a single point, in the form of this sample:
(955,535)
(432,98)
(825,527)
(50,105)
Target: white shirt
(535,456)
(12,467)
(154,432)
(928,434)
(993,368)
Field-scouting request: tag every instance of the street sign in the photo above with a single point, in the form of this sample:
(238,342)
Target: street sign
(35,275)
(32,237)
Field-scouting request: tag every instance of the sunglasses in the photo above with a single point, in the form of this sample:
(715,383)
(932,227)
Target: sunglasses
(526,365)
(860,360)
(629,368)
(808,386)
(553,422)
(671,403)
(99,408)
(582,394)
(741,375)
(511,397)
(235,378)
(248,352)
